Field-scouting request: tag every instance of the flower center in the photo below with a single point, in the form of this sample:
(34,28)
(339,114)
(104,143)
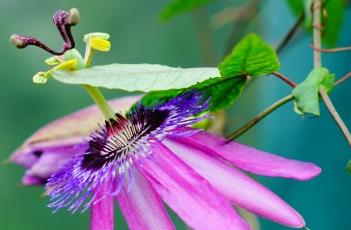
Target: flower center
(124,139)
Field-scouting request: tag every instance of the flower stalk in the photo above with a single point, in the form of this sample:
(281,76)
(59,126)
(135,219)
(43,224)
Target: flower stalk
(100,101)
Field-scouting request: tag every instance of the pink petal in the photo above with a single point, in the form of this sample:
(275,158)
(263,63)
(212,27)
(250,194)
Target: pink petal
(187,193)
(142,207)
(102,212)
(251,159)
(236,186)
(29,179)
(53,159)
(44,152)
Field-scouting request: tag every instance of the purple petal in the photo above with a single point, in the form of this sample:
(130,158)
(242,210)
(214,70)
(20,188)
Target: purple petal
(236,186)
(251,159)
(102,212)
(142,207)
(187,193)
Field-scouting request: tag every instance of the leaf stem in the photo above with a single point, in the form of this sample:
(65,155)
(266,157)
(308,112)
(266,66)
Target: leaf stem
(259,117)
(285,79)
(317,61)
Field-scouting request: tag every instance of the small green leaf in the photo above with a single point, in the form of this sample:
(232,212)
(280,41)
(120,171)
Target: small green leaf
(222,92)
(136,77)
(306,94)
(177,7)
(251,56)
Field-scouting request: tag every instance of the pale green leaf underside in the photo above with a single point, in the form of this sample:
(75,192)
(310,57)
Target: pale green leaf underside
(137,77)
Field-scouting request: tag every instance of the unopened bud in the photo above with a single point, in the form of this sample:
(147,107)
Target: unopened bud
(17,41)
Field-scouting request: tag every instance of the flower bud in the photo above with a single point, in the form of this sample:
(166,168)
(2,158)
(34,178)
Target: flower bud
(17,41)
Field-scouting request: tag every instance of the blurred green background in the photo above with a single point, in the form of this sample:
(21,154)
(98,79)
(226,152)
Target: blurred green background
(138,36)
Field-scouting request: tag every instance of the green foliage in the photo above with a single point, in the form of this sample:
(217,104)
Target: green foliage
(299,6)
(306,94)
(177,7)
(332,22)
(251,56)
(161,96)
(136,77)
(222,92)
(348,166)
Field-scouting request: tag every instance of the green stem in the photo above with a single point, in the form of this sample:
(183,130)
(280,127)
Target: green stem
(290,34)
(100,101)
(260,116)
(94,92)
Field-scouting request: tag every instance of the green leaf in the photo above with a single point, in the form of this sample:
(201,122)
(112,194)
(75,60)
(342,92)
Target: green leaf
(155,97)
(332,22)
(306,94)
(299,6)
(136,77)
(177,7)
(251,56)
(222,92)
(348,166)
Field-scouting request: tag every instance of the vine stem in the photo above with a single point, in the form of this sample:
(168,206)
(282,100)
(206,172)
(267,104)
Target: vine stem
(317,61)
(317,58)
(339,49)
(335,115)
(205,36)
(344,78)
(290,34)
(259,117)
(285,79)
